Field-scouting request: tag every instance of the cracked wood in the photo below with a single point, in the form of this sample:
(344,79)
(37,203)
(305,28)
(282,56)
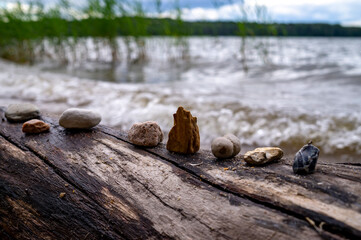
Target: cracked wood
(125,192)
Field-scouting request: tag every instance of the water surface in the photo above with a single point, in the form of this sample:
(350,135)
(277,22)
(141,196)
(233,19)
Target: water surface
(278,92)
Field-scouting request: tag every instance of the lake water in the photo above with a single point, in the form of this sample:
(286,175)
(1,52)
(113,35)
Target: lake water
(277,92)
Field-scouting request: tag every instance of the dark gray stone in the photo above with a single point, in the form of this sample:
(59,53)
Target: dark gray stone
(21,112)
(306,159)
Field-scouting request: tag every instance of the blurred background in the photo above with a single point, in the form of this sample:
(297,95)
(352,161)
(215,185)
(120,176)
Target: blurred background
(274,73)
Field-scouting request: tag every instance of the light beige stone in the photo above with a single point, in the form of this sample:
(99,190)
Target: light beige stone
(263,155)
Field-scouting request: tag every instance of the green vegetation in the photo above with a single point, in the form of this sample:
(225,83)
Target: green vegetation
(142,27)
(272,29)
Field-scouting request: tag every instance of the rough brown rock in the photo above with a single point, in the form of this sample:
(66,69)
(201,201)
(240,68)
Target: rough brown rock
(35,126)
(184,135)
(263,155)
(147,134)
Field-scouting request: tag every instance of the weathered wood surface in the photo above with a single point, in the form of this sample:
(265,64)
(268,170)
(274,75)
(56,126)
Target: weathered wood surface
(115,190)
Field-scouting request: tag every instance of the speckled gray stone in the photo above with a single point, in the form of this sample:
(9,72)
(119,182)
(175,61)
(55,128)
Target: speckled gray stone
(79,118)
(222,147)
(236,143)
(21,112)
(306,159)
(263,155)
(147,134)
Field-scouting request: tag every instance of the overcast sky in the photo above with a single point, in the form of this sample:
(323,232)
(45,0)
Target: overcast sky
(346,12)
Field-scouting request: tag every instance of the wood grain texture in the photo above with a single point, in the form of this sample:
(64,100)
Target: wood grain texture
(330,197)
(115,190)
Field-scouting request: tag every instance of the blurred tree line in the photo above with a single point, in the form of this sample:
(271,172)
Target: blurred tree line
(270,29)
(142,26)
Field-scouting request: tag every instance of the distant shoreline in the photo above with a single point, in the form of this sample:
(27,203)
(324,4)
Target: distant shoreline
(141,27)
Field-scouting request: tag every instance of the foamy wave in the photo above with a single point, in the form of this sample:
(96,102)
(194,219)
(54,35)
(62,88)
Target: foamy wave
(220,108)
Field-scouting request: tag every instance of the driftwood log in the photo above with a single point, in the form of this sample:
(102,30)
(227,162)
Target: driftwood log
(114,190)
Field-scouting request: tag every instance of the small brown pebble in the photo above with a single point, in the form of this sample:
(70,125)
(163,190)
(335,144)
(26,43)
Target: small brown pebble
(66,185)
(35,126)
(62,195)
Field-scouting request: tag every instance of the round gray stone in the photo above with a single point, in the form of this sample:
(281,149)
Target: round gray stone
(79,118)
(236,143)
(21,112)
(222,147)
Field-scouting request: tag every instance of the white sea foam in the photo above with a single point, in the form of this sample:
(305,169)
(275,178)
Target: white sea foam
(297,97)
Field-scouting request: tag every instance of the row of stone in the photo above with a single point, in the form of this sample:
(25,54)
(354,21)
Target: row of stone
(183,137)
(229,146)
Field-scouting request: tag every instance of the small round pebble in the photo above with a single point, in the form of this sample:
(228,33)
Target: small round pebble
(79,118)
(236,143)
(146,134)
(35,126)
(222,147)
